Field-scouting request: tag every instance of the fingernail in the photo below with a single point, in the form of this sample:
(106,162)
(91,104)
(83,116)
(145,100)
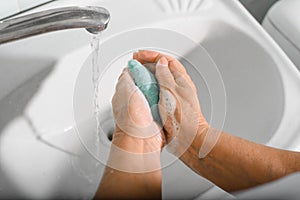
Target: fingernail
(162,62)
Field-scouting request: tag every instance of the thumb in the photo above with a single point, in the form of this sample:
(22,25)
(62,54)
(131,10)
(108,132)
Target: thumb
(163,74)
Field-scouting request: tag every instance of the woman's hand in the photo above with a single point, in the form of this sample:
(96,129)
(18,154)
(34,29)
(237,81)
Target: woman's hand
(179,105)
(138,139)
(233,164)
(133,170)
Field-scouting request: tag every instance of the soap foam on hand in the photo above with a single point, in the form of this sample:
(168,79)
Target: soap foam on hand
(148,84)
(168,101)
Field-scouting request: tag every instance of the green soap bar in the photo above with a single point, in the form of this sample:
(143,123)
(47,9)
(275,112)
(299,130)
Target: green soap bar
(148,84)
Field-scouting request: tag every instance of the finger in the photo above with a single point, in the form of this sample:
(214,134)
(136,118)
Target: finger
(164,140)
(124,90)
(170,112)
(138,102)
(169,128)
(166,122)
(174,65)
(176,69)
(146,56)
(151,67)
(170,124)
(183,81)
(180,70)
(125,85)
(123,72)
(135,56)
(163,74)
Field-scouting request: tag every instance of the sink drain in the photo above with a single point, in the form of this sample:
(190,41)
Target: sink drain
(110,136)
(107,124)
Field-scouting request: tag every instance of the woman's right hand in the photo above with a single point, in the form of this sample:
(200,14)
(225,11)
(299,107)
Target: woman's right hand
(178,105)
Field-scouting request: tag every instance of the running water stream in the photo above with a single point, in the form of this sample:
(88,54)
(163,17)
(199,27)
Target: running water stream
(95,44)
(85,165)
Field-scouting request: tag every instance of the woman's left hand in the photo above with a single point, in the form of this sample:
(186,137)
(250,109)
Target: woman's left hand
(137,137)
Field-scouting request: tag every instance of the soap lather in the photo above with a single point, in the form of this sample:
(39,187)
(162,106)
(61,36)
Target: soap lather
(148,84)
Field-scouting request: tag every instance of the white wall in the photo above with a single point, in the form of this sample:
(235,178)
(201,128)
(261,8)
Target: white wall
(9,7)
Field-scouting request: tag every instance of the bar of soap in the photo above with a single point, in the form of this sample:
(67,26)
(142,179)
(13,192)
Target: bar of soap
(148,84)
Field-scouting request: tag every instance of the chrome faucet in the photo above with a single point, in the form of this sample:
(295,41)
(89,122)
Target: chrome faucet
(93,19)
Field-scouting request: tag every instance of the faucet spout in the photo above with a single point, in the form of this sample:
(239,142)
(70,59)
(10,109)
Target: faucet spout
(93,19)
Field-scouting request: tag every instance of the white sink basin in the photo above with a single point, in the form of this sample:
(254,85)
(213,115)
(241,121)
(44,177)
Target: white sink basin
(43,77)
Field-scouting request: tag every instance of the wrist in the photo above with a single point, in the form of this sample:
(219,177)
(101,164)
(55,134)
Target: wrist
(133,144)
(134,155)
(193,150)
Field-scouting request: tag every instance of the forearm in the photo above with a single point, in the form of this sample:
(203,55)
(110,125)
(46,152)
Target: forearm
(133,170)
(122,185)
(236,164)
